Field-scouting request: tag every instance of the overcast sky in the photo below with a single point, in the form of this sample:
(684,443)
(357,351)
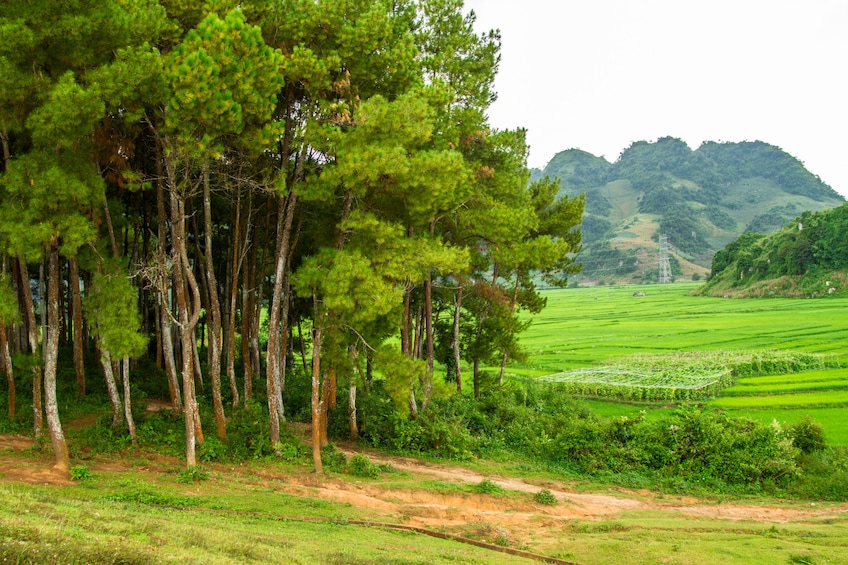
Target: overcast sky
(600,74)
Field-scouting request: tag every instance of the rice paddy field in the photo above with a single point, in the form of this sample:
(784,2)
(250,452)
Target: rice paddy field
(766,342)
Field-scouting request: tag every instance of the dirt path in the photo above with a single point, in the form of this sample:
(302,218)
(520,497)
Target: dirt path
(430,508)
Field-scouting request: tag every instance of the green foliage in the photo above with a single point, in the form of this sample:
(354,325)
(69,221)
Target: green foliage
(360,466)
(193,474)
(42,197)
(812,243)
(333,459)
(757,159)
(486,486)
(248,435)
(111,309)
(807,435)
(146,494)
(545,497)
(9,311)
(81,473)
(213,449)
(689,448)
(578,171)
(103,438)
(224,80)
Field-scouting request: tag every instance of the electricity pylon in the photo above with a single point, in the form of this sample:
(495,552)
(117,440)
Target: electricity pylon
(665,265)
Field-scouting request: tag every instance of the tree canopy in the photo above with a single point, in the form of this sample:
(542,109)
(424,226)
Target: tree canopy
(328,163)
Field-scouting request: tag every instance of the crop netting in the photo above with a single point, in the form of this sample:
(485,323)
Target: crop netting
(660,385)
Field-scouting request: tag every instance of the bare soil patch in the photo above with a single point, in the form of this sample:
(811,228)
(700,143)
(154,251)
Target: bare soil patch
(16,466)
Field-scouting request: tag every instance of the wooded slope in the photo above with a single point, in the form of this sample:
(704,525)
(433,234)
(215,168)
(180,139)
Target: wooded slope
(702,200)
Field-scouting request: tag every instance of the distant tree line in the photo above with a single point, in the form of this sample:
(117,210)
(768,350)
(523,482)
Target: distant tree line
(813,241)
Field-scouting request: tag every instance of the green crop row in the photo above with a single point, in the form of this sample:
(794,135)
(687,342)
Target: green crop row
(785,388)
(827,398)
(795,378)
(636,393)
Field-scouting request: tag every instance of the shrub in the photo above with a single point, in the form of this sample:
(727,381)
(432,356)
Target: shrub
(488,487)
(545,497)
(193,474)
(213,449)
(248,432)
(808,435)
(360,466)
(332,458)
(81,473)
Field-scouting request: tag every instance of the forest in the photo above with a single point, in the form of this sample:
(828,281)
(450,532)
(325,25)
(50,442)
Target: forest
(808,257)
(216,196)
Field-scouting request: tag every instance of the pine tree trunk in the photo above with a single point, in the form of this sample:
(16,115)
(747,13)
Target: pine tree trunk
(512,306)
(405,346)
(214,312)
(428,338)
(457,357)
(61,459)
(235,268)
(10,372)
(195,352)
(32,337)
(351,413)
(188,320)
(328,402)
(111,388)
(248,312)
(274,369)
(316,398)
(256,317)
(76,307)
(163,300)
(246,325)
(128,402)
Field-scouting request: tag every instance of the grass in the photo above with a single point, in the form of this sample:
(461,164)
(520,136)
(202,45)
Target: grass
(46,526)
(584,327)
(654,537)
(592,327)
(239,516)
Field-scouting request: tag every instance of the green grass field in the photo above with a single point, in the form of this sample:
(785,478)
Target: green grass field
(588,327)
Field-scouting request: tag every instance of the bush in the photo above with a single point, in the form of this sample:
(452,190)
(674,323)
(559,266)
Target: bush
(248,433)
(81,473)
(193,474)
(360,466)
(332,458)
(808,435)
(545,497)
(213,449)
(488,487)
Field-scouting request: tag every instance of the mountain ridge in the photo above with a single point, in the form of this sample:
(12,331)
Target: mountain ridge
(701,199)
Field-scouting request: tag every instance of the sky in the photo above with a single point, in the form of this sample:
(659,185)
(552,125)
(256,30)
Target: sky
(598,75)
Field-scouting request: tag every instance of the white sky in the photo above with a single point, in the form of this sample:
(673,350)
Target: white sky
(600,74)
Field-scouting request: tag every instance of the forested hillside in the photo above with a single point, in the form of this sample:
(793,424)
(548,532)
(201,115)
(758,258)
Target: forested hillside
(226,194)
(808,257)
(701,200)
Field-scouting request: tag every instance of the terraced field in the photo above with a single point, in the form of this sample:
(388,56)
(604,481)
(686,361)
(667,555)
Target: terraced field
(611,326)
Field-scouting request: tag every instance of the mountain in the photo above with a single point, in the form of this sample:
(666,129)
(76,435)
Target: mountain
(701,200)
(807,258)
